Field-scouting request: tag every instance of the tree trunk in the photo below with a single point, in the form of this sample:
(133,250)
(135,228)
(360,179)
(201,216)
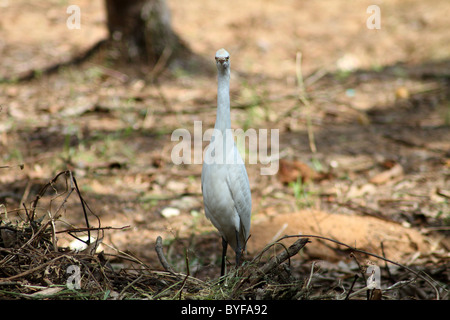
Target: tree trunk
(141,31)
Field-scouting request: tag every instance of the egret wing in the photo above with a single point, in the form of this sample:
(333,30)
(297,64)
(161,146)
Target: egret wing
(239,186)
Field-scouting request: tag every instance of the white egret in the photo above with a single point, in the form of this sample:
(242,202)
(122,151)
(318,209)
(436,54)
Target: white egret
(225,185)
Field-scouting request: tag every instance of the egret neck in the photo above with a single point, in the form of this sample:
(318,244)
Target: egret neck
(223,119)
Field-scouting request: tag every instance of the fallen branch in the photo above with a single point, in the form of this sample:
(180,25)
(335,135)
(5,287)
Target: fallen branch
(92,229)
(369,254)
(71,186)
(161,257)
(272,264)
(32,270)
(281,257)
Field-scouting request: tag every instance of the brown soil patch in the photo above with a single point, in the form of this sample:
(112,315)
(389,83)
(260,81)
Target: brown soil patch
(365,233)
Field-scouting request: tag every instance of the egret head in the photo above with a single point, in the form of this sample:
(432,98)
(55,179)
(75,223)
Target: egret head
(222,59)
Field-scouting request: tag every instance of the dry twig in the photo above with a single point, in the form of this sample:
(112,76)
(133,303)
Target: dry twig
(161,256)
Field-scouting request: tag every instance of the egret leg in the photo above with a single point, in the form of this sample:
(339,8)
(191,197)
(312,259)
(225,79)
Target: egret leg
(224,254)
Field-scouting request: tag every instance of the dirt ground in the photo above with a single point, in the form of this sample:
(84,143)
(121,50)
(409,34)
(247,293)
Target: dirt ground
(377,101)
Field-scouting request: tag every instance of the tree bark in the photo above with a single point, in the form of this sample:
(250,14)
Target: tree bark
(141,31)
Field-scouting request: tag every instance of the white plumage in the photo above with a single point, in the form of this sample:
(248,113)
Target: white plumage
(225,184)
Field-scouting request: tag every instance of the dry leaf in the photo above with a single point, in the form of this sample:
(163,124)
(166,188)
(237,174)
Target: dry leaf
(47,292)
(290,171)
(395,172)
